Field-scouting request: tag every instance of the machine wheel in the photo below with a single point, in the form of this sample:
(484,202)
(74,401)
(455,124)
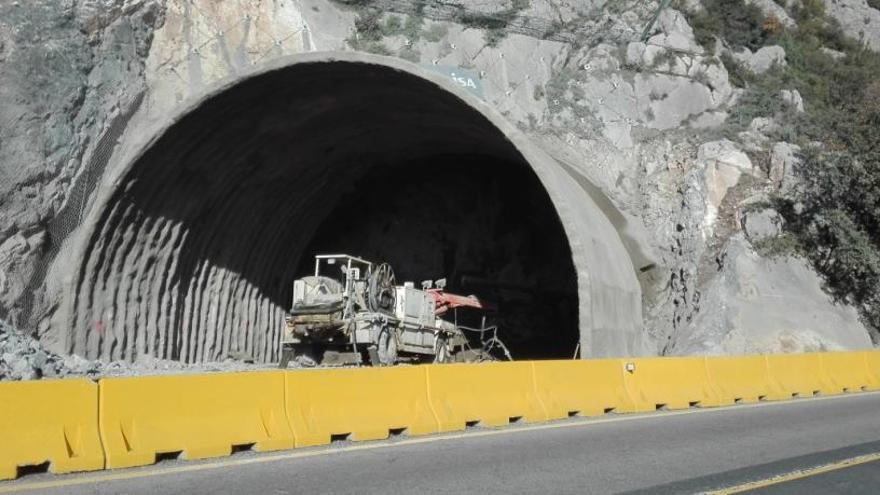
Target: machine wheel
(387,346)
(307,361)
(304,355)
(381,294)
(442,353)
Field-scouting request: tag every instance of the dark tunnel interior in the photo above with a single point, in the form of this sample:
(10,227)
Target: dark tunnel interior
(484,225)
(194,255)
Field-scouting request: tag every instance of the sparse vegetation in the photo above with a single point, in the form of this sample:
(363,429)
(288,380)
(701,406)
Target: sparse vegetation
(356,3)
(371,27)
(657,95)
(411,54)
(782,245)
(410,27)
(702,76)
(435,33)
(557,87)
(833,219)
(538,93)
(368,26)
(738,75)
(372,24)
(368,33)
(564,92)
(494,24)
(555,27)
(666,57)
(738,23)
(771,25)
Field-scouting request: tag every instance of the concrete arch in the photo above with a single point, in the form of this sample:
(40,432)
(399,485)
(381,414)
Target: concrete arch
(203,222)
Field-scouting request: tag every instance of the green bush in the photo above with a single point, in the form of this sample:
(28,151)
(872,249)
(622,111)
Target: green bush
(494,24)
(836,214)
(738,23)
(356,3)
(368,25)
(370,29)
(738,74)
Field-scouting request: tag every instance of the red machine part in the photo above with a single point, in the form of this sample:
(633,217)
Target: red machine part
(445,301)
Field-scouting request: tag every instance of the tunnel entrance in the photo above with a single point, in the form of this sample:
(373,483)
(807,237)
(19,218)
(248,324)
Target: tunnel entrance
(484,224)
(193,254)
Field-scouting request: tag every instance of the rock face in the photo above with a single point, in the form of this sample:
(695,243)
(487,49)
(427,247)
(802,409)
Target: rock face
(722,164)
(759,305)
(203,41)
(72,74)
(634,121)
(858,19)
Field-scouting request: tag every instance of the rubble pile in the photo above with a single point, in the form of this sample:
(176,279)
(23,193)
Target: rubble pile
(23,358)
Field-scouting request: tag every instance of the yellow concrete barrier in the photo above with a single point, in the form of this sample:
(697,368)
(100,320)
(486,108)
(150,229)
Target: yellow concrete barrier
(365,403)
(199,416)
(53,421)
(75,425)
(491,394)
(846,371)
(671,383)
(582,388)
(743,379)
(799,375)
(872,360)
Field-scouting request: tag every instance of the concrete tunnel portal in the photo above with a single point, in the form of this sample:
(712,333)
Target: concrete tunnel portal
(192,255)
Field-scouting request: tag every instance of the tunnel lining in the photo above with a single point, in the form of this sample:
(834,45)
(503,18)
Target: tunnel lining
(82,303)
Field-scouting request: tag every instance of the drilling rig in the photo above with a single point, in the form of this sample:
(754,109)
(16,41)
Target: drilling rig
(354,309)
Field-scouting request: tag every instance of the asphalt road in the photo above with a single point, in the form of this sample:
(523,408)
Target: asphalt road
(821,445)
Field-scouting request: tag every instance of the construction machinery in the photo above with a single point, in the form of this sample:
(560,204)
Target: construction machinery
(353,310)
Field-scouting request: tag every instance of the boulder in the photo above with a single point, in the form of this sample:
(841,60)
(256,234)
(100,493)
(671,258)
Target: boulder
(836,55)
(759,225)
(858,20)
(793,99)
(722,163)
(771,8)
(763,125)
(755,138)
(675,33)
(725,153)
(783,160)
(762,60)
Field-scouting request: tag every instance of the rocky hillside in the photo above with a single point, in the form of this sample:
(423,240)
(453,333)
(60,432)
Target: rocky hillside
(736,138)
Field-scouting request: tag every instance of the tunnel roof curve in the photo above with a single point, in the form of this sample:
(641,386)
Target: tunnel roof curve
(609,294)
